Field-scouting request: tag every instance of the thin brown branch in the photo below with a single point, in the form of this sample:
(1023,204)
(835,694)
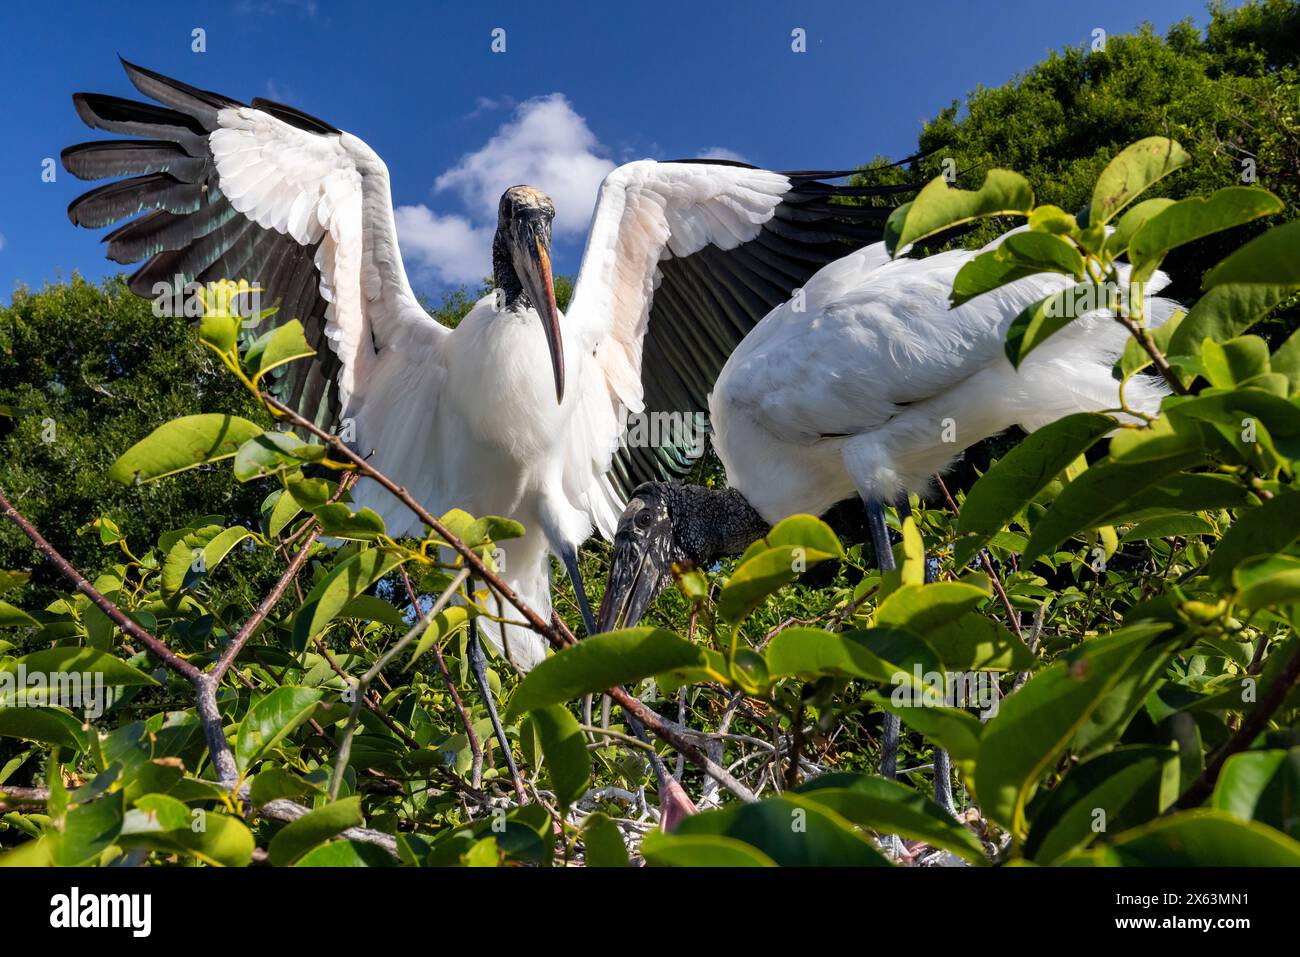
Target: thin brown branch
(168,657)
(1144,339)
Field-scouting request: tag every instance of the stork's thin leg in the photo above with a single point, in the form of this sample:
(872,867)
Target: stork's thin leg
(885,562)
(478,665)
(569,557)
(670,792)
(890,730)
(942,763)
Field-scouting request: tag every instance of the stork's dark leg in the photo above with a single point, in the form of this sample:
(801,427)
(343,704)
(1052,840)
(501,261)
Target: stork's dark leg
(478,665)
(885,561)
(942,763)
(890,730)
(569,558)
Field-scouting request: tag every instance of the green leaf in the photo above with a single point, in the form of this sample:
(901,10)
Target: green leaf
(1034,725)
(601,662)
(1266,530)
(160,822)
(1125,785)
(1286,360)
(973,642)
(335,590)
(283,509)
(567,762)
(86,830)
(446,623)
(1262,786)
(984,273)
(68,661)
(888,807)
(372,608)
(1038,322)
(346,854)
(298,837)
(182,444)
(812,653)
(1241,289)
(1117,242)
(1193,218)
(212,542)
(12,617)
(921,608)
(956,731)
(939,206)
(1205,838)
(276,347)
(48,725)
(1043,252)
(1021,475)
(1281,587)
(1130,173)
(793,546)
(273,452)
(272,718)
(1083,504)
(273,782)
(339,521)
(792,830)
(704,850)
(603,842)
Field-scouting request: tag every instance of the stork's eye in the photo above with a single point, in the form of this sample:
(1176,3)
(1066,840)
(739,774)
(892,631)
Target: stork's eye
(643,518)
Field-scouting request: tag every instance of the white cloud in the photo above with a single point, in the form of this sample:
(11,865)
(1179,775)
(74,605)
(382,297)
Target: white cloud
(721,153)
(452,248)
(545,144)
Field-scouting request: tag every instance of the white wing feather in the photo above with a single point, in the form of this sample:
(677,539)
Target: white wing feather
(646,212)
(334,190)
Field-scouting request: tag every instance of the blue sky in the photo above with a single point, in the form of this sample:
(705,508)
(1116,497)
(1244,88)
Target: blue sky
(580,88)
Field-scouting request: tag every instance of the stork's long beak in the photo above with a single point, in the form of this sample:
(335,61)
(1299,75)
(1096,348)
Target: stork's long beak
(637,573)
(533,264)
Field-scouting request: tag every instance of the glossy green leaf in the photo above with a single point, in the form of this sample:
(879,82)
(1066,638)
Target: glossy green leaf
(271,718)
(1019,476)
(181,444)
(276,347)
(1034,725)
(331,594)
(793,830)
(1193,218)
(703,850)
(1262,786)
(273,452)
(298,837)
(939,206)
(1130,173)
(1242,289)
(601,662)
(603,842)
(567,762)
(888,807)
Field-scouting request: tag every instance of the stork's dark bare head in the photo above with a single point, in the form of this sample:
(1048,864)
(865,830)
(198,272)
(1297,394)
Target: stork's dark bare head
(665,524)
(521,264)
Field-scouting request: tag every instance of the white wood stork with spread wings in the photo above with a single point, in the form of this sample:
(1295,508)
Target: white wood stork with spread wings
(681,261)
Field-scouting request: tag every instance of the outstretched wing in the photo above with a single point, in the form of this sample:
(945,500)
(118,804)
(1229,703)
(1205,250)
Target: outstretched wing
(682,260)
(301,209)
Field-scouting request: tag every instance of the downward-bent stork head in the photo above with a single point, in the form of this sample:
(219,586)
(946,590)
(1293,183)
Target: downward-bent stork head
(521,263)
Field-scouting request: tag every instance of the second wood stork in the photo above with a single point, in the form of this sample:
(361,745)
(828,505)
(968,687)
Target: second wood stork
(519,411)
(871,388)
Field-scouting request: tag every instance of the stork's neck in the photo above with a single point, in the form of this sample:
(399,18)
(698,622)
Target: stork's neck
(504,276)
(712,523)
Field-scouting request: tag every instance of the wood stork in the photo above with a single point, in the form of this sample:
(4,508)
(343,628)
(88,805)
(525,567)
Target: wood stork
(869,387)
(518,411)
